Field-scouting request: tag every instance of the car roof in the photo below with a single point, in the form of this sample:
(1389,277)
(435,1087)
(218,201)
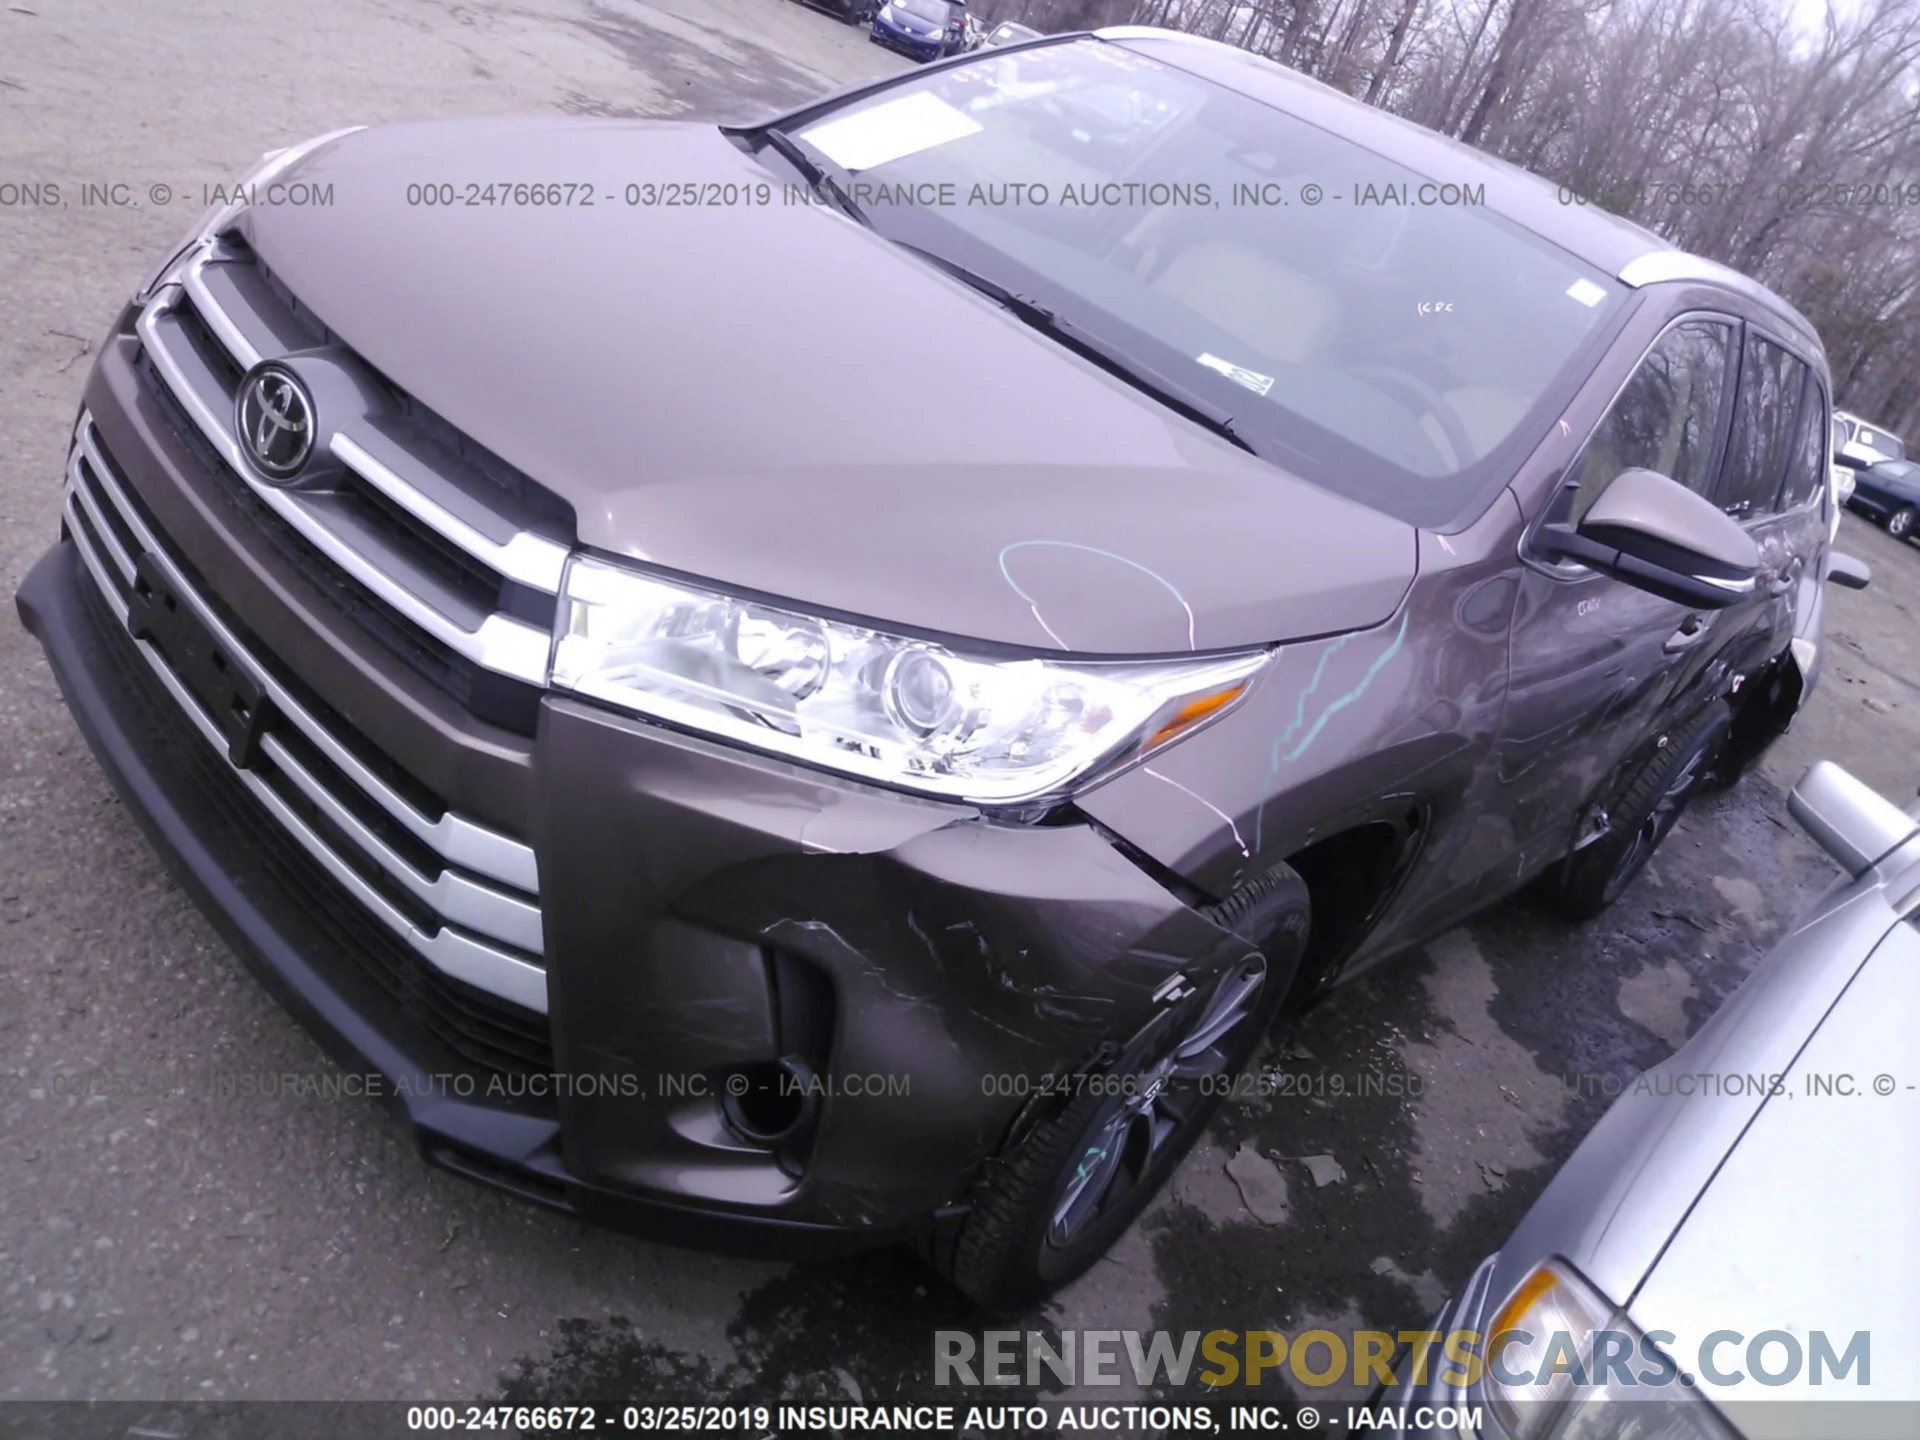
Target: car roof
(1630,253)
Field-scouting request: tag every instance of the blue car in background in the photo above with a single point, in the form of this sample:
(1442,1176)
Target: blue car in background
(1890,493)
(924,29)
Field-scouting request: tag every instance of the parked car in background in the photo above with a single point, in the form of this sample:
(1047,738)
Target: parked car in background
(1743,1214)
(1840,476)
(1890,493)
(899,828)
(924,29)
(1866,444)
(1011,32)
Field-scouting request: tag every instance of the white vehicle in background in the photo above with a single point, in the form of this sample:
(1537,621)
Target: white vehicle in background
(1857,444)
(1864,443)
(1840,477)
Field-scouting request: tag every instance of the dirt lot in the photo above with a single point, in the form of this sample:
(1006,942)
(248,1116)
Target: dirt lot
(190,1247)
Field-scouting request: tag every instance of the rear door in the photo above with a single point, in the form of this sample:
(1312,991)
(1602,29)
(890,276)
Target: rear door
(1771,484)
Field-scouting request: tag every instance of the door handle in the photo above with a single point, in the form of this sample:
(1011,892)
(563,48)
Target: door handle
(1692,631)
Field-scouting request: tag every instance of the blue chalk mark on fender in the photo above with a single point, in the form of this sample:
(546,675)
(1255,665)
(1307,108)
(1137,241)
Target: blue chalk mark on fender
(1335,707)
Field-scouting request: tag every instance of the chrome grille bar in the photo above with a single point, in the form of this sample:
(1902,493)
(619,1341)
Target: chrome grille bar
(533,560)
(458,899)
(498,642)
(460,841)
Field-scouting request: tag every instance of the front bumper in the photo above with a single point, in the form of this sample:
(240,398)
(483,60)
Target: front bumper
(704,910)
(906,42)
(1428,1396)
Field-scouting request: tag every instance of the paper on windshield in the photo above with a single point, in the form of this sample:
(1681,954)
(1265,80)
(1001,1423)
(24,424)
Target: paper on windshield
(1239,374)
(889,132)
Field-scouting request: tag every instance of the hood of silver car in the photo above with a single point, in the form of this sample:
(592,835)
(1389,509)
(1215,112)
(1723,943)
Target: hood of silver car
(729,382)
(1808,1222)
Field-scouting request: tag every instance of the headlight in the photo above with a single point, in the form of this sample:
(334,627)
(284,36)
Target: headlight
(266,169)
(882,707)
(1562,1313)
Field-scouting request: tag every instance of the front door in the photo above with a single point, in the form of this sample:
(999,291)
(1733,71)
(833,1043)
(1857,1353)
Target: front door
(1596,663)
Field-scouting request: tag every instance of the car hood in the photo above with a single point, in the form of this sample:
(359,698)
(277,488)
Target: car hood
(727,381)
(1614,1208)
(1808,1223)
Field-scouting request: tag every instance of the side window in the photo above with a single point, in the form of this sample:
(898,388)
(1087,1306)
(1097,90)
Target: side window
(1805,473)
(1765,429)
(1666,417)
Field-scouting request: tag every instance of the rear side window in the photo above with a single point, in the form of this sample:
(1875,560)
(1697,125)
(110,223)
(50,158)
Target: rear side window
(1804,470)
(1765,431)
(1666,417)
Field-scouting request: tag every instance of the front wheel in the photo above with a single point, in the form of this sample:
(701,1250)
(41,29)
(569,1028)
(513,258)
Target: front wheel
(1900,523)
(1077,1179)
(1592,878)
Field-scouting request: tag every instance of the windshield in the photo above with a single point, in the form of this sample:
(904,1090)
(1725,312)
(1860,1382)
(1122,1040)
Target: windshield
(934,11)
(1366,327)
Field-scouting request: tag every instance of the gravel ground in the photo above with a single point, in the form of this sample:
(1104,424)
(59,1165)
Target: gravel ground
(178,1245)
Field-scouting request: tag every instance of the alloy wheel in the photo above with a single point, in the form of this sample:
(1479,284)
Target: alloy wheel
(1161,1082)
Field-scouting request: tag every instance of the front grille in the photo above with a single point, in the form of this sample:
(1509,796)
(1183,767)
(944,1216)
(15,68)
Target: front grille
(439,550)
(440,910)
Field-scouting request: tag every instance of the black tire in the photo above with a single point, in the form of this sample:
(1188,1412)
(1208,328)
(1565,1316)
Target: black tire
(1591,879)
(1033,1226)
(1900,522)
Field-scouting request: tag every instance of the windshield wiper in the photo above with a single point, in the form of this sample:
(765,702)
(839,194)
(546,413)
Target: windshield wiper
(1108,357)
(814,173)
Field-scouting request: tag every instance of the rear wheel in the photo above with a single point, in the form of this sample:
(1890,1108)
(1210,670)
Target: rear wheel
(1073,1183)
(1592,878)
(1900,522)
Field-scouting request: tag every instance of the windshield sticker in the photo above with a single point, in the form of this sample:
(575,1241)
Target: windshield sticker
(1239,374)
(890,132)
(1587,293)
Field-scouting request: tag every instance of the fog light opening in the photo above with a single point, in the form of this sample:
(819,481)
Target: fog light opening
(768,1101)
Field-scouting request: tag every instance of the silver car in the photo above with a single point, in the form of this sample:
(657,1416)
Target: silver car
(1733,1249)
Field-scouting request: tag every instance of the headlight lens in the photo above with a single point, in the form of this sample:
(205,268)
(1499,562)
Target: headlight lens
(882,707)
(265,170)
(1554,1301)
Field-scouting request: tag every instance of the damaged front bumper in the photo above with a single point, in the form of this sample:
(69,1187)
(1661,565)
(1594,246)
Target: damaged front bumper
(784,1013)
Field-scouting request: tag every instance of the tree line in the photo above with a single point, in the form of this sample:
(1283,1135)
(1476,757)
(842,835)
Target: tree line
(1769,135)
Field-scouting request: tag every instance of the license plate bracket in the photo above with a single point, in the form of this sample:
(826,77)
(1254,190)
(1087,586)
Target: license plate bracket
(226,693)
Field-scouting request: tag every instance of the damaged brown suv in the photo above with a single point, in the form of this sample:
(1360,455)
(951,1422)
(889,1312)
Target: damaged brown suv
(789,814)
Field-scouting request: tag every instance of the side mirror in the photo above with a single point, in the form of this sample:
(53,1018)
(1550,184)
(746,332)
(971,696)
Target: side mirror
(1846,571)
(1653,533)
(1850,820)
(1850,460)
